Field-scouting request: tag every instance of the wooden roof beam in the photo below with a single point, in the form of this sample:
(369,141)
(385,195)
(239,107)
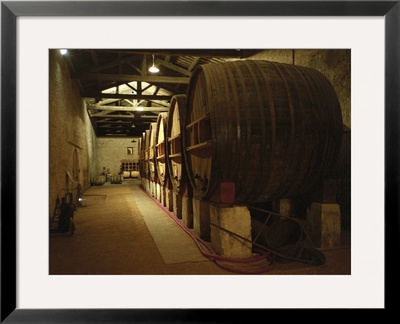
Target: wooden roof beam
(122,108)
(124,96)
(130,78)
(173,67)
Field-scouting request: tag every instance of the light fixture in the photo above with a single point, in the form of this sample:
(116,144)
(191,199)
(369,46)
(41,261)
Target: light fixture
(153,68)
(63,51)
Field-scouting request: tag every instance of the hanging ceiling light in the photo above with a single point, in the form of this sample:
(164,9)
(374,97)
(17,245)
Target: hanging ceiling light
(153,68)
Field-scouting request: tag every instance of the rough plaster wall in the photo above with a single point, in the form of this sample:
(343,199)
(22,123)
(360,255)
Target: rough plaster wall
(68,123)
(334,64)
(277,55)
(110,152)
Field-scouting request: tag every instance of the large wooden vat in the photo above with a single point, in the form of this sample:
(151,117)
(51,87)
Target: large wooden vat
(140,156)
(152,152)
(265,129)
(176,164)
(161,148)
(145,154)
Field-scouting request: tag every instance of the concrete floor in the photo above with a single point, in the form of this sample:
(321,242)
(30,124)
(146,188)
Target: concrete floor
(121,230)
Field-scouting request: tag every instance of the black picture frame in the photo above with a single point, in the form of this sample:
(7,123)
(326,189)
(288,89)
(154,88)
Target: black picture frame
(10,10)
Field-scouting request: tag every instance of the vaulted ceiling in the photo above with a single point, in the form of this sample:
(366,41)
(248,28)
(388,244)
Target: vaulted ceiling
(122,97)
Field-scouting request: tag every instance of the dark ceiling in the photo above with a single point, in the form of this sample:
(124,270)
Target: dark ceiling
(122,97)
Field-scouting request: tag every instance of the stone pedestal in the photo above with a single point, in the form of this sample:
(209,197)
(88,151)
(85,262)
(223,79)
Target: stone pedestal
(157,192)
(201,218)
(177,204)
(236,220)
(324,224)
(187,211)
(323,216)
(145,184)
(162,195)
(168,199)
(152,188)
(287,207)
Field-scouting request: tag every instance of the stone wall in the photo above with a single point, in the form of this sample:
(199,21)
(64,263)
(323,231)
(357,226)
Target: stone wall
(70,132)
(111,151)
(71,136)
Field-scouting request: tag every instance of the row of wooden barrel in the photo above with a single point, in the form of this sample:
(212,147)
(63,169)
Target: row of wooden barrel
(115,178)
(130,174)
(263,129)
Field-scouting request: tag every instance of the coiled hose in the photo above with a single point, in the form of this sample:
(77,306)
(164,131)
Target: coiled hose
(213,256)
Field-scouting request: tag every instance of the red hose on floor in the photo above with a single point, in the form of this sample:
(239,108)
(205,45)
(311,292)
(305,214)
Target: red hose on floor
(214,256)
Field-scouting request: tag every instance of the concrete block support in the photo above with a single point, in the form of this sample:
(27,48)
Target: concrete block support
(286,207)
(148,186)
(201,218)
(168,199)
(151,188)
(158,191)
(324,224)
(177,204)
(144,183)
(187,211)
(162,195)
(234,219)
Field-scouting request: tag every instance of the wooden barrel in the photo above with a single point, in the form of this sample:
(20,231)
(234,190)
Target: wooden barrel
(126,174)
(268,130)
(100,180)
(140,158)
(152,152)
(145,154)
(116,178)
(161,148)
(134,174)
(176,164)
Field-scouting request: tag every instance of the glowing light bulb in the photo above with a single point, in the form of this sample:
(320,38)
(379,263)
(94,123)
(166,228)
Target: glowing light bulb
(153,69)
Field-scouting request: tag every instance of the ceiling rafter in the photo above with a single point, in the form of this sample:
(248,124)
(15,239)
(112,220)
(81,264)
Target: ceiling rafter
(110,64)
(194,63)
(130,78)
(125,109)
(114,82)
(107,114)
(117,122)
(125,96)
(173,67)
